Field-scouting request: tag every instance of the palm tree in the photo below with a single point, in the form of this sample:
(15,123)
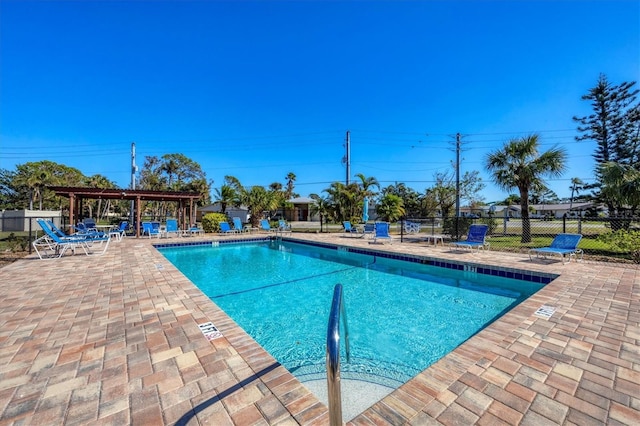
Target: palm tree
(576,186)
(321,207)
(225,195)
(620,184)
(291,178)
(258,200)
(519,165)
(36,182)
(390,208)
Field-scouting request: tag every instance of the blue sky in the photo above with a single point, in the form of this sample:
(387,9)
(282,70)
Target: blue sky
(258,89)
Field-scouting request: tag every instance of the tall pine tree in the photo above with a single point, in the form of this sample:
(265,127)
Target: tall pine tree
(614,125)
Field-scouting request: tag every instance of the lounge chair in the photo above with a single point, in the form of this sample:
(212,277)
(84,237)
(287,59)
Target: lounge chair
(265,226)
(283,226)
(563,245)
(237,225)
(52,245)
(475,238)
(90,224)
(369,229)
(381,232)
(194,230)
(150,230)
(83,229)
(120,231)
(226,229)
(350,229)
(172,227)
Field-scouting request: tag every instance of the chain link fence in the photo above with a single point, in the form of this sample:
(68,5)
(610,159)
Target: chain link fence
(505,234)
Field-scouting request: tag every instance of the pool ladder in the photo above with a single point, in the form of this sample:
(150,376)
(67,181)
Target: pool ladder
(333,355)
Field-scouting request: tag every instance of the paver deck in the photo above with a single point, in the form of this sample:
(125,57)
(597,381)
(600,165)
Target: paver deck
(115,340)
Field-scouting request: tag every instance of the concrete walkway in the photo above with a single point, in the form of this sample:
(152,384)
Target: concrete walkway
(115,340)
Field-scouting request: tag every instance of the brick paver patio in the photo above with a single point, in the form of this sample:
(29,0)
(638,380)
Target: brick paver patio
(115,340)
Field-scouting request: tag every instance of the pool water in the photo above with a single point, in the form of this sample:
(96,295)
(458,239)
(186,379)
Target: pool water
(402,316)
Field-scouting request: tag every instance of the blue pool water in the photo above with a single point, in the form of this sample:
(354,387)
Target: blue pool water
(402,316)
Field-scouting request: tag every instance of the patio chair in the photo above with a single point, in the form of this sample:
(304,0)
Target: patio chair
(226,229)
(563,245)
(52,245)
(150,230)
(350,229)
(83,229)
(381,232)
(120,232)
(172,227)
(475,238)
(193,230)
(283,226)
(237,225)
(369,229)
(265,226)
(411,227)
(90,224)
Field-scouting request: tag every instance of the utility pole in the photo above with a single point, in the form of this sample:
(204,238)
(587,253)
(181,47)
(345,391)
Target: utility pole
(348,157)
(457,184)
(134,169)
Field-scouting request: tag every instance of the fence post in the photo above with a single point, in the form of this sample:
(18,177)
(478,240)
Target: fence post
(30,236)
(579,224)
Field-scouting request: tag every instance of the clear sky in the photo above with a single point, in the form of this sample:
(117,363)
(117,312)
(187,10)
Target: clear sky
(258,89)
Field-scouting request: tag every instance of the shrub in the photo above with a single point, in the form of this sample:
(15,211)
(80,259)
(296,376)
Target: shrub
(627,241)
(211,222)
(624,240)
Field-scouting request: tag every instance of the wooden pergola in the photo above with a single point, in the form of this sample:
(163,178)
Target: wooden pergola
(185,200)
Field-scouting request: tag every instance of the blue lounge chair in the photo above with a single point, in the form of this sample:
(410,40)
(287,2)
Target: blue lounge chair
(265,226)
(350,229)
(563,245)
(475,238)
(150,230)
(226,229)
(283,226)
(237,225)
(194,230)
(83,229)
(369,229)
(90,224)
(52,245)
(172,227)
(381,232)
(120,231)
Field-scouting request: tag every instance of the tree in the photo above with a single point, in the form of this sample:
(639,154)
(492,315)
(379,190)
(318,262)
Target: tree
(321,207)
(520,165)
(31,179)
(288,193)
(576,186)
(443,193)
(614,125)
(98,181)
(411,199)
(620,186)
(258,200)
(173,172)
(225,195)
(390,208)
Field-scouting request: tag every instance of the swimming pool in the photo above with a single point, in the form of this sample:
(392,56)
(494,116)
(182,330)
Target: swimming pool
(402,315)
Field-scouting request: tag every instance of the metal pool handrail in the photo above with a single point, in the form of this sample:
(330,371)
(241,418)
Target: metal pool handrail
(333,355)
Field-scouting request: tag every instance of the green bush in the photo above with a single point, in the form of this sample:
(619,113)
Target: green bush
(211,222)
(449,226)
(627,241)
